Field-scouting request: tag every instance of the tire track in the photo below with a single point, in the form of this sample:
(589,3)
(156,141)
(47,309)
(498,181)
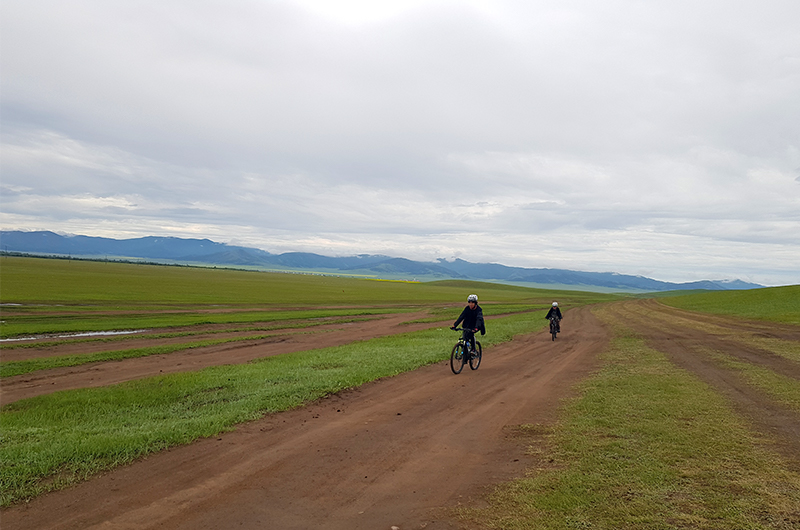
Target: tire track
(668,331)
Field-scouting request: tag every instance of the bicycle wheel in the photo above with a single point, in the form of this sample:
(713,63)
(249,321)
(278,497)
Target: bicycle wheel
(475,360)
(457,358)
(553,329)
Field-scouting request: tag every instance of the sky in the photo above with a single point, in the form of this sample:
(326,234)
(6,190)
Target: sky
(657,138)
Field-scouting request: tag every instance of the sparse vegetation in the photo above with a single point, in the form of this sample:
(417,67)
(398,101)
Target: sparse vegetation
(649,446)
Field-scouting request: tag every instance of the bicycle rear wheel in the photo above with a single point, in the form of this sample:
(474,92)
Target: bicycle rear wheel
(475,360)
(457,358)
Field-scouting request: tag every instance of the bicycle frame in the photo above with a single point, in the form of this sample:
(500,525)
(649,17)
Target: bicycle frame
(461,354)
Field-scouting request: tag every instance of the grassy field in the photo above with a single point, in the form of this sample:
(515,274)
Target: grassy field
(647,445)
(644,445)
(776,304)
(57,439)
(61,296)
(104,284)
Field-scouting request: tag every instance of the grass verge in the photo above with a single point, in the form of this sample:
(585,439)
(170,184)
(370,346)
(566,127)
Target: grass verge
(51,441)
(646,445)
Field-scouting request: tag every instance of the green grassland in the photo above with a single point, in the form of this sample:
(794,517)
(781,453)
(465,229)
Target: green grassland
(51,281)
(58,296)
(57,439)
(776,304)
(644,445)
(647,445)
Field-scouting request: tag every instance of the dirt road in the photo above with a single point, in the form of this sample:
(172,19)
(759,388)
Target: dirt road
(406,450)
(398,452)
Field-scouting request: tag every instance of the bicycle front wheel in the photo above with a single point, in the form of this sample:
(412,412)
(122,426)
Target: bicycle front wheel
(457,358)
(475,360)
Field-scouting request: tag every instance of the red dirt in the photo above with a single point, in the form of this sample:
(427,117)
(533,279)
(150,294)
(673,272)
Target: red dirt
(398,452)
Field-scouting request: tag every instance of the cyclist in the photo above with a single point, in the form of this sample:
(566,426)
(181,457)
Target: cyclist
(472,316)
(556,313)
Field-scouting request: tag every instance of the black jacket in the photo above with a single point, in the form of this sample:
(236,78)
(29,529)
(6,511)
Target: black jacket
(473,319)
(554,310)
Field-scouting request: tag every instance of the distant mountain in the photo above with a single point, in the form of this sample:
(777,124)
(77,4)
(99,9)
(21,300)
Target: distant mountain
(610,280)
(171,248)
(205,251)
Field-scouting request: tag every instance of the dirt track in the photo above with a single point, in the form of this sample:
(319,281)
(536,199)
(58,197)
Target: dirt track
(108,373)
(404,451)
(390,453)
(687,337)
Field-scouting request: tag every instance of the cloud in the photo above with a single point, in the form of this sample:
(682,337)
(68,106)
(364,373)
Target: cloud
(616,136)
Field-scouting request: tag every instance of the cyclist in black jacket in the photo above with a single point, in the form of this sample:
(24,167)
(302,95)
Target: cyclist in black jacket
(555,312)
(472,316)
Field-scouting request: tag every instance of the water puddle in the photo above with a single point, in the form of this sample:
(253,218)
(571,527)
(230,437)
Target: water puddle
(76,335)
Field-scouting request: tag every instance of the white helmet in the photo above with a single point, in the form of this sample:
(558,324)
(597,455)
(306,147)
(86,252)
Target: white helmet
(555,304)
(472,298)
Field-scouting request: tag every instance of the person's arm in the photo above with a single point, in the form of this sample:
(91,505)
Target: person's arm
(479,319)
(460,318)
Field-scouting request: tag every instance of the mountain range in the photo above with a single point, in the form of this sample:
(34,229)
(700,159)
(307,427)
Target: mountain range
(207,252)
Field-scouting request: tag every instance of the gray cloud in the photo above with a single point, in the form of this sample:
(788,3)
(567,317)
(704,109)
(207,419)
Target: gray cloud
(658,138)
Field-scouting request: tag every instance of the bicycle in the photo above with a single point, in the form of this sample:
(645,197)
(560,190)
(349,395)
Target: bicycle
(459,356)
(554,327)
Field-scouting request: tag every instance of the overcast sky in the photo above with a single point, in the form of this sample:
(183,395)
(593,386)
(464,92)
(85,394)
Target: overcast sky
(659,138)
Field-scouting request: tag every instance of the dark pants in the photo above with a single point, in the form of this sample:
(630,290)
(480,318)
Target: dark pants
(469,336)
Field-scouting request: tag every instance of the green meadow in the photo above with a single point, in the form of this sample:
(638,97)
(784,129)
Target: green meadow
(776,304)
(644,445)
(647,445)
(54,440)
(89,285)
(43,296)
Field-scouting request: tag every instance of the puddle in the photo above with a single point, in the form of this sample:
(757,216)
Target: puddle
(74,335)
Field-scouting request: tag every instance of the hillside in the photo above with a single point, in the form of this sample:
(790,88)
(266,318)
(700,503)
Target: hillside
(205,251)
